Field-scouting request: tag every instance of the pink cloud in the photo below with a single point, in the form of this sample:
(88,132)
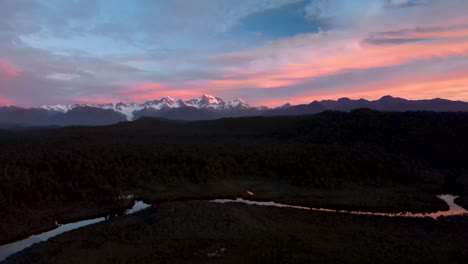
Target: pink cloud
(302,59)
(143,88)
(449,87)
(95,100)
(453,85)
(9,69)
(350,54)
(4,101)
(260,81)
(297,61)
(143,91)
(179,94)
(150,91)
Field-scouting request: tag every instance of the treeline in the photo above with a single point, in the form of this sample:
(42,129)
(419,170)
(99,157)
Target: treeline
(330,150)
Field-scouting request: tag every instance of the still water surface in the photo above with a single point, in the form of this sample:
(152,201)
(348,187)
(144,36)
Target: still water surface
(12,248)
(454,209)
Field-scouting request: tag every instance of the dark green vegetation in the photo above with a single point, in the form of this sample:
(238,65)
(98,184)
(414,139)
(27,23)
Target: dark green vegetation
(362,160)
(201,232)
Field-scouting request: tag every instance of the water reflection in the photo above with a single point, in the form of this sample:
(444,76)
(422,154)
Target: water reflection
(138,206)
(12,248)
(9,249)
(454,209)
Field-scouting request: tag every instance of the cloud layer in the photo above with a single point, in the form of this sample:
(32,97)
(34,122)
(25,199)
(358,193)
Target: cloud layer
(265,51)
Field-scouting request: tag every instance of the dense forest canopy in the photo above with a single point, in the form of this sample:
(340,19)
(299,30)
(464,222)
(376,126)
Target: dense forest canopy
(288,156)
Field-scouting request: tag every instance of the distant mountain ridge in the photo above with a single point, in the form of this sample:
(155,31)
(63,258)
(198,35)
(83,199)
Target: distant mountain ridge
(386,103)
(205,107)
(129,109)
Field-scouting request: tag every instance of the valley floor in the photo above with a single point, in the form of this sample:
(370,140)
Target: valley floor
(361,160)
(204,232)
(22,222)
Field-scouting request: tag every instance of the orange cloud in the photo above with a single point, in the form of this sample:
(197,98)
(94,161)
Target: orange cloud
(9,69)
(453,86)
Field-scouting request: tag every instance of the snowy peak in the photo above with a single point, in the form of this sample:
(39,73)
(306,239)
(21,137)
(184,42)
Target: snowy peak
(211,107)
(158,104)
(126,109)
(238,103)
(209,99)
(167,102)
(58,108)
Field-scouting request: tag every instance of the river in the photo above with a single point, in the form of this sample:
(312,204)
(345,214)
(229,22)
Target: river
(12,248)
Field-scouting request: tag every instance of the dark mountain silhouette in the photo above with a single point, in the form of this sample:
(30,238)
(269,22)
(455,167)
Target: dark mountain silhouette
(389,103)
(386,103)
(90,116)
(205,108)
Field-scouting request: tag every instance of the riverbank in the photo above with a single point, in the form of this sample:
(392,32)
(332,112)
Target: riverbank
(199,232)
(352,198)
(17,246)
(24,222)
(12,248)
(20,223)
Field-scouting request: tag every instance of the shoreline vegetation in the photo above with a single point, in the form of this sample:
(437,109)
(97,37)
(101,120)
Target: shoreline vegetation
(199,232)
(10,249)
(362,160)
(398,201)
(82,214)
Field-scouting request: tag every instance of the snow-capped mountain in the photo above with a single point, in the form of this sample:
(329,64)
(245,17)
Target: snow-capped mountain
(129,109)
(58,108)
(203,108)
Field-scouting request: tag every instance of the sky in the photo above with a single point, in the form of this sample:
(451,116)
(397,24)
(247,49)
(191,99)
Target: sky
(267,52)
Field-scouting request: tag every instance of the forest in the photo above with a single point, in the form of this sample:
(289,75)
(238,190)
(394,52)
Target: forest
(359,160)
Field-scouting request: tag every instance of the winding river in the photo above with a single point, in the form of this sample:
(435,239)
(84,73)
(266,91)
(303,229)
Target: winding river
(454,209)
(12,248)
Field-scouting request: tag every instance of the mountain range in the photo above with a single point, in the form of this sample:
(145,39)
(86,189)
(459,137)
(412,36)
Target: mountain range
(205,107)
